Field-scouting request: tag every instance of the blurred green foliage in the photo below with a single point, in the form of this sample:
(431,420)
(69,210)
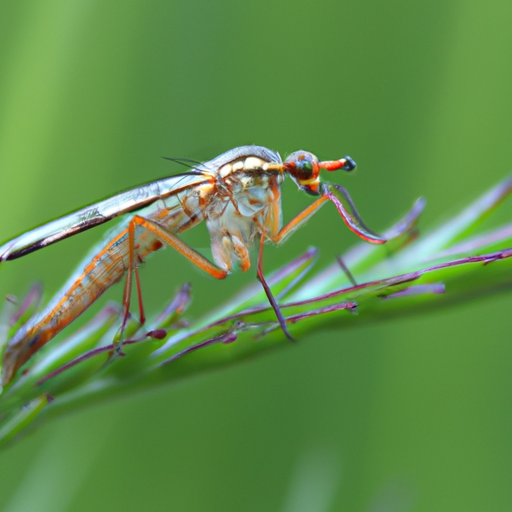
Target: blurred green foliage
(410,415)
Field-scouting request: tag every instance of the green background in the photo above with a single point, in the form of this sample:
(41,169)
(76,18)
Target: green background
(413,414)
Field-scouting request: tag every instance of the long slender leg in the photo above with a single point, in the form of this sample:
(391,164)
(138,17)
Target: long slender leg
(277,238)
(169,238)
(346,270)
(128,282)
(284,233)
(268,292)
(142,315)
(184,249)
(300,219)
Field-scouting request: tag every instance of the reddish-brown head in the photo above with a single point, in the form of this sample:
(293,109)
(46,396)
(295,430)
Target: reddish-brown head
(304,169)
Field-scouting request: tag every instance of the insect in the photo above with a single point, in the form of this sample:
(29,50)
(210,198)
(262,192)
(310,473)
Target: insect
(238,196)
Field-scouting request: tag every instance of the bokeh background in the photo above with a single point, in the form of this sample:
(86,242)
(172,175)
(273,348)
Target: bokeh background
(413,414)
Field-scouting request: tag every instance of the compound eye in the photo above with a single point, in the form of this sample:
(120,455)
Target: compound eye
(303,165)
(304,168)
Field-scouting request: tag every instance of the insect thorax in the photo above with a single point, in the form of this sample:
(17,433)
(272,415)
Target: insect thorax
(239,205)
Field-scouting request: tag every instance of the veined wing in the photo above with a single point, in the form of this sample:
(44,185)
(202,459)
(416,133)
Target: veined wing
(128,201)
(98,213)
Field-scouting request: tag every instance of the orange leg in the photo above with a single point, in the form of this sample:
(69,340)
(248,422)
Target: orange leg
(170,238)
(298,221)
(128,282)
(164,236)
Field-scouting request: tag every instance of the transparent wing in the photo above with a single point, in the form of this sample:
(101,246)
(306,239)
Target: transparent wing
(98,213)
(131,200)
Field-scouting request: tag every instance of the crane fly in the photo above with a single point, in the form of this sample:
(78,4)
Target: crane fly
(237,194)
